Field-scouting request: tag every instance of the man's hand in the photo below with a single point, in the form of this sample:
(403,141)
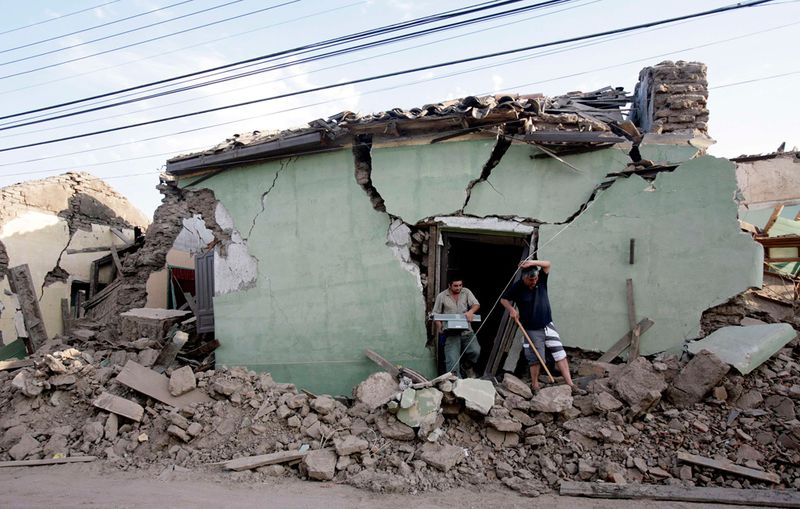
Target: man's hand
(514,314)
(469,315)
(527,263)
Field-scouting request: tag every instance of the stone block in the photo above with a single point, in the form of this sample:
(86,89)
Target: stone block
(746,348)
(441,457)
(320,465)
(517,386)
(552,399)
(639,385)
(152,323)
(697,378)
(377,390)
(478,395)
(182,381)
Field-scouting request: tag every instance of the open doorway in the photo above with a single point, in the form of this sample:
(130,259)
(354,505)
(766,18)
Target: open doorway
(485,262)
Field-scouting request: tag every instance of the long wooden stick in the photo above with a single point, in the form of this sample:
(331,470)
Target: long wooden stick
(541,361)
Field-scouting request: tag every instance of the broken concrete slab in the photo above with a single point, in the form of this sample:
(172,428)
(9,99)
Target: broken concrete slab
(746,348)
(120,406)
(639,385)
(442,457)
(377,390)
(517,386)
(478,395)
(181,381)
(156,386)
(390,427)
(350,445)
(262,460)
(552,399)
(424,408)
(697,378)
(152,323)
(320,464)
(26,446)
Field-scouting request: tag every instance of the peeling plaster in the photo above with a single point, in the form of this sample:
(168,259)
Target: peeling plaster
(236,270)
(398,239)
(194,235)
(489,224)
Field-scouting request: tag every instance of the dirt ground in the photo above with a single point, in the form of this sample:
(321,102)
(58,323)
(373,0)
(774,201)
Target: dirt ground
(92,485)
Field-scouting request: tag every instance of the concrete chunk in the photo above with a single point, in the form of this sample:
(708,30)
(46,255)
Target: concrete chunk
(442,457)
(517,386)
(697,378)
(639,385)
(320,465)
(377,390)
(423,409)
(182,381)
(552,399)
(746,348)
(350,445)
(477,394)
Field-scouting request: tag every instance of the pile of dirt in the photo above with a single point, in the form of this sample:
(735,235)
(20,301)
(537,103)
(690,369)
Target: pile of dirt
(628,426)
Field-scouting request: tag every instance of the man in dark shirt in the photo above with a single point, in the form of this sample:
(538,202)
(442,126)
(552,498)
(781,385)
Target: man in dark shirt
(530,296)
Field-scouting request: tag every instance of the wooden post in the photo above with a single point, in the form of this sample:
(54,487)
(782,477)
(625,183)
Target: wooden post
(631,254)
(65,319)
(21,283)
(634,351)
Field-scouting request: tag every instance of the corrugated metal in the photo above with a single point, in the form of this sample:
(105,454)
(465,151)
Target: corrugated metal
(204,285)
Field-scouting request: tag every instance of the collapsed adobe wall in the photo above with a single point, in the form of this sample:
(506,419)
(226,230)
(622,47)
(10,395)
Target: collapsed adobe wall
(671,97)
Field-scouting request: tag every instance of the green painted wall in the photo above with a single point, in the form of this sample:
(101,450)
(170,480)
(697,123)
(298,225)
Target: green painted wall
(668,153)
(543,188)
(328,285)
(422,181)
(690,255)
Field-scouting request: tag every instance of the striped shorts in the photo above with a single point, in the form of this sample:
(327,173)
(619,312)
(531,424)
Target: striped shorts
(546,338)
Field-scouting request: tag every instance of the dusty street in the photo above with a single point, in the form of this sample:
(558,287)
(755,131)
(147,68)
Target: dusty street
(96,486)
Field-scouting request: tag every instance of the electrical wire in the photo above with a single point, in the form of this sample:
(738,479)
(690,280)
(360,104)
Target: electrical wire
(391,74)
(98,107)
(42,41)
(56,18)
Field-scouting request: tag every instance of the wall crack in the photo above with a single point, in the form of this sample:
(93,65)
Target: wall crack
(284,163)
(499,150)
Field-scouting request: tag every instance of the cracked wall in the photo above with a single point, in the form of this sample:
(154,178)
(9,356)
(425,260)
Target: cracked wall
(41,220)
(327,284)
(689,256)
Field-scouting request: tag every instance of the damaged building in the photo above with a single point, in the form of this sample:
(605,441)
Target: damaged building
(336,237)
(62,228)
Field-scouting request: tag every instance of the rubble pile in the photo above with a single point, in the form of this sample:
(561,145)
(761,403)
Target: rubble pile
(626,427)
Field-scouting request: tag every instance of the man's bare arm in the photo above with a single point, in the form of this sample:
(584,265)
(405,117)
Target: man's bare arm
(544,264)
(512,311)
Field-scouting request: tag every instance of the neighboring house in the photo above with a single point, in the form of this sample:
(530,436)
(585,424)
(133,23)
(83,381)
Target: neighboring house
(337,237)
(60,227)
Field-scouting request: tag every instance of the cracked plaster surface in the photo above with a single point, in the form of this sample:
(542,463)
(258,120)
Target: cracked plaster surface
(237,269)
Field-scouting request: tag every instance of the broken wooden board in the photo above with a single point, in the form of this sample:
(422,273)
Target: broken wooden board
(625,341)
(9,365)
(156,385)
(263,460)
(727,466)
(732,496)
(21,283)
(170,351)
(635,332)
(119,406)
(51,461)
(383,363)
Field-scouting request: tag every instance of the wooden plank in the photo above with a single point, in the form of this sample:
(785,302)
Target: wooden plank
(121,236)
(776,212)
(383,363)
(65,319)
(21,283)
(156,385)
(9,365)
(117,263)
(51,461)
(89,250)
(727,466)
(263,460)
(573,137)
(190,301)
(624,342)
(731,496)
(635,333)
(170,351)
(119,406)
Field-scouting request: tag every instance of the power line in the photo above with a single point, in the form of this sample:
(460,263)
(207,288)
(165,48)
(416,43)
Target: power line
(393,74)
(42,41)
(58,17)
(326,43)
(390,40)
(755,80)
(204,43)
(504,25)
(172,34)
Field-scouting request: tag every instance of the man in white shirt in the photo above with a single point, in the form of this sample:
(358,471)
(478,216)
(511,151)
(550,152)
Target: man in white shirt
(458,300)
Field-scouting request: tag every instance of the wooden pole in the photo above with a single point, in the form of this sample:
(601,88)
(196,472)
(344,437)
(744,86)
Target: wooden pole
(635,331)
(541,361)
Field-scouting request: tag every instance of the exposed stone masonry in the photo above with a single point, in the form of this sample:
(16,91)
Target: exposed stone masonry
(671,97)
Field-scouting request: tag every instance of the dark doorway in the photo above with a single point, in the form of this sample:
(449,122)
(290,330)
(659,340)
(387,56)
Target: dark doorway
(485,262)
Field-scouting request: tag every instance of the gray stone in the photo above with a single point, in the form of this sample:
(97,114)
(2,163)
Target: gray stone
(320,465)
(62,380)
(748,400)
(506,425)
(323,404)
(442,457)
(605,402)
(697,378)
(179,420)
(390,427)
(93,432)
(478,395)
(226,387)
(552,399)
(639,385)
(350,445)
(178,432)
(147,357)
(56,445)
(25,382)
(26,445)
(112,427)
(377,390)
(407,398)
(194,429)
(517,386)
(181,381)
(424,409)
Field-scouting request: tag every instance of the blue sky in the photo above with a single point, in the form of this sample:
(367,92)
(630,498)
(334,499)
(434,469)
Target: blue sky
(748,118)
